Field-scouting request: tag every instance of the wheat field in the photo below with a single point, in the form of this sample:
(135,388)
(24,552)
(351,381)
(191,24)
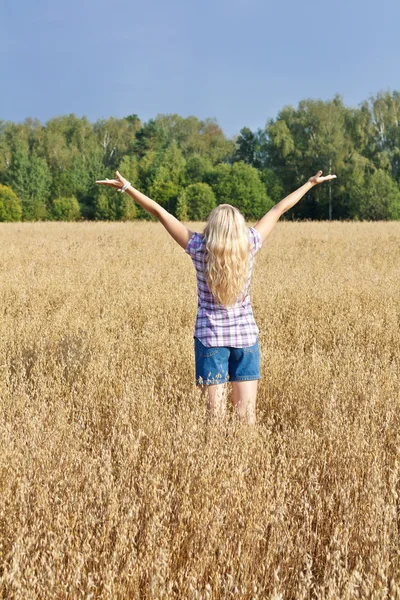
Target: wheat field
(113,485)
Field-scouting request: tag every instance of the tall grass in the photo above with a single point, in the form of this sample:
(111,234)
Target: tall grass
(111,484)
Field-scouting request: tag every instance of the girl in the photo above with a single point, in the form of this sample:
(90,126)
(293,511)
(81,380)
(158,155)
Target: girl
(226,335)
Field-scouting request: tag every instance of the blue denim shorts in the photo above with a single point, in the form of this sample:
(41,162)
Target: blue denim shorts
(224,363)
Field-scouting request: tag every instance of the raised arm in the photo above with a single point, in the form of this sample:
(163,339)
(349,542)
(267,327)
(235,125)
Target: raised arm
(175,228)
(269,220)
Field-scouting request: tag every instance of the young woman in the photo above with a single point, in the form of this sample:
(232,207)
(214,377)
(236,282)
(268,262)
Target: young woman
(226,335)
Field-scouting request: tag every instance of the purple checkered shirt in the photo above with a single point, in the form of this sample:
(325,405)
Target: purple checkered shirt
(217,325)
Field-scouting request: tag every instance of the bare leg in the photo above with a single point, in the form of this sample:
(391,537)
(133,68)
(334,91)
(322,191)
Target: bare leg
(244,394)
(215,396)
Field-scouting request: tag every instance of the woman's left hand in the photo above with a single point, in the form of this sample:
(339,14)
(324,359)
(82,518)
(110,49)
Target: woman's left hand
(115,183)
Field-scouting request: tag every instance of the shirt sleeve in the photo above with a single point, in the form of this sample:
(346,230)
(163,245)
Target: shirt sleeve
(194,244)
(255,239)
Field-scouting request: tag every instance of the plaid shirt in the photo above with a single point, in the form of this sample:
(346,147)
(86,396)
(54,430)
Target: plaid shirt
(217,325)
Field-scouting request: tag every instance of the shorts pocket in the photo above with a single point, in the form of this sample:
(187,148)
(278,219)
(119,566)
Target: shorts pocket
(252,349)
(203,351)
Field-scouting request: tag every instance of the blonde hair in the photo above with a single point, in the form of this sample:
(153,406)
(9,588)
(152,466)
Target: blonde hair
(227,254)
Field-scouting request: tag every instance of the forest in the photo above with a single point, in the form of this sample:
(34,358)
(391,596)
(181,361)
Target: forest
(48,170)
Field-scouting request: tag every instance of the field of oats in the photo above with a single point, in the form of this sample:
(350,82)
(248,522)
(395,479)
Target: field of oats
(111,484)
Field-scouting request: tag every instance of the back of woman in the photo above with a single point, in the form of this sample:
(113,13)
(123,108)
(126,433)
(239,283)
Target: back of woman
(226,335)
(223,257)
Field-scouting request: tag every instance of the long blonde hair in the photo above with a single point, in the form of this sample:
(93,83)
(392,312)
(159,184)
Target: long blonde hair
(227,254)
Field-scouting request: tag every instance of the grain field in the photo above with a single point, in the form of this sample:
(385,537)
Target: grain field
(112,486)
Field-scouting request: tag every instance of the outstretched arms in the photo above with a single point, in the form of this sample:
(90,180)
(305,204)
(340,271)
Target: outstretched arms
(269,220)
(175,228)
(182,234)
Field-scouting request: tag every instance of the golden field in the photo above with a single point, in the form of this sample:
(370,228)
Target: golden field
(112,485)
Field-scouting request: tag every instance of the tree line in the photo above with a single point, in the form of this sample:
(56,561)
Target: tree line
(48,171)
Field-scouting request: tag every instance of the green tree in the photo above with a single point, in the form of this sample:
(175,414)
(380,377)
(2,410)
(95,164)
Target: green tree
(10,206)
(182,209)
(302,141)
(110,205)
(213,143)
(130,168)
(204,138)
(115,137)
(72,181)
(102,208)
(147,168)
(241,186)
(65,209)
(75,157)
(149,138)
(251,148)
(248,191)
(273,185)
(374,197)
(64,157)
(169,177)
(30,177)
(196,169)
(220,180)
(196,202)
(384,138)
(127,209)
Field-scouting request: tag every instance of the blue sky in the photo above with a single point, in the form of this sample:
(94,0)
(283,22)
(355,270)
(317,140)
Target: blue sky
(239,61)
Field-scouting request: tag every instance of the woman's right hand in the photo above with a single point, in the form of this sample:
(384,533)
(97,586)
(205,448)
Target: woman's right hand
(318,179)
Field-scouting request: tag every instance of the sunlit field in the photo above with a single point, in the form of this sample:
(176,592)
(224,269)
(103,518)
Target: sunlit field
(112,485)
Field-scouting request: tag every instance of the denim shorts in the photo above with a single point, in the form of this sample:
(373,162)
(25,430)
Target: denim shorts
(224,363)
